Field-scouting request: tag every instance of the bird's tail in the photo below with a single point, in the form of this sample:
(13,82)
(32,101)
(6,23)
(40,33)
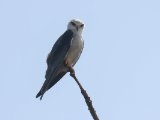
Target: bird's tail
(48,84)
(40,94)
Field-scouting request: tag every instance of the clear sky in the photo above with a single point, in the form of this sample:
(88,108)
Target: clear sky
(119,67)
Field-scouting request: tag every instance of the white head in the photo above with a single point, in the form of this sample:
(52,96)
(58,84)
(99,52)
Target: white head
(76,26)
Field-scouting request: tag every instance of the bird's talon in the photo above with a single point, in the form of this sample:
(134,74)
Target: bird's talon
(72,73)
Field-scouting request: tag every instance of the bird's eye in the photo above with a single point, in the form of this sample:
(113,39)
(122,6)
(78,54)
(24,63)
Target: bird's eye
(82,25)
(73,23)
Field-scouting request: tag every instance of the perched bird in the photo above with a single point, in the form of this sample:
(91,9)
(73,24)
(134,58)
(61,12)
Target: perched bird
(64,55)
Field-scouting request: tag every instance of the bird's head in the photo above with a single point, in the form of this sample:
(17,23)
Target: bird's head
(76,26)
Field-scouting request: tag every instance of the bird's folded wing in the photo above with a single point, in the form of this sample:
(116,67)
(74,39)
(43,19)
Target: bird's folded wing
(56,57)
(58,52)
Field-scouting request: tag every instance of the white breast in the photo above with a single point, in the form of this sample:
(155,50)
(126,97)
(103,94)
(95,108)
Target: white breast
(75,50)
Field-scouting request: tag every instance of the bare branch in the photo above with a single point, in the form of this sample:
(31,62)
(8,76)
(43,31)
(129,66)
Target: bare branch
(86,97)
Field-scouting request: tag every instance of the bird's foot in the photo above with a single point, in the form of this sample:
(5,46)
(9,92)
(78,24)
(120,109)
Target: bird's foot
(70,68)
(72,72)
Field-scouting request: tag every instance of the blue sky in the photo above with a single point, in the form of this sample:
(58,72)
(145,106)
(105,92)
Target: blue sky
(119,67)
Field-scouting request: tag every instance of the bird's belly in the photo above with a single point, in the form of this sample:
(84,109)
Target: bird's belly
(74,51)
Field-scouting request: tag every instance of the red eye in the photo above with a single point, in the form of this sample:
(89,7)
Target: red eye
(73,23)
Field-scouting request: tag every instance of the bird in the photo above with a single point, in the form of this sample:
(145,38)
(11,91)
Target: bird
(63,55)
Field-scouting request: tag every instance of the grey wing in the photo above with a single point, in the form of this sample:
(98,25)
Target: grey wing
(55,60)
(59,50)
